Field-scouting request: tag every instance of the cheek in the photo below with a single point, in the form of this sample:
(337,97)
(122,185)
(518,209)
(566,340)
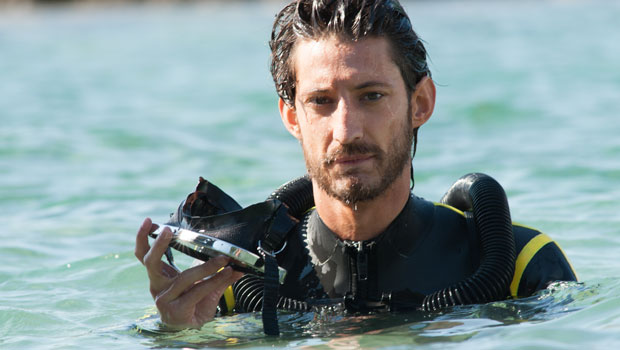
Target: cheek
(308,143)
(314,136)
(399,116)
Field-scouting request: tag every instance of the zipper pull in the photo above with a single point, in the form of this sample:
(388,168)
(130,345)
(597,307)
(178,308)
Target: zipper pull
(362,262)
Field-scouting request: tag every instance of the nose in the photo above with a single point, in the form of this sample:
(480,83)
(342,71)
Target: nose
(347,123)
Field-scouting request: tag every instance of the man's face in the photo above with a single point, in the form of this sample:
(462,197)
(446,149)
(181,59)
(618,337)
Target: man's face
(354,118)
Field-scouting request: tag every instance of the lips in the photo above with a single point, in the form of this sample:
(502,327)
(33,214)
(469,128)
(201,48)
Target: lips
(352,154)
(353,159)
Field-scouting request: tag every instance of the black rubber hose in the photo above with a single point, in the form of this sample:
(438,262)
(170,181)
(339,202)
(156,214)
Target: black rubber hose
(248,291)
(477,192)
(491,281)
(296,194)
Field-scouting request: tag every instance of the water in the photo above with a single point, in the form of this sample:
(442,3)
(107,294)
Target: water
(110,114)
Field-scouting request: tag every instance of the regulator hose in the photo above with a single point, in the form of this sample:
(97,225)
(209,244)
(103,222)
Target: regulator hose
(490,282)
(248,291)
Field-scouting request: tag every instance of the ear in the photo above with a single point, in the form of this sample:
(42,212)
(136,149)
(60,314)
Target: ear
(423,101)
(289,118)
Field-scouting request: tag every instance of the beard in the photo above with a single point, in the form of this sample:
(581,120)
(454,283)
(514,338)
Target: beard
(389,165)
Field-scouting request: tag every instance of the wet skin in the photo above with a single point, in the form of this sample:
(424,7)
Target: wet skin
(352,93)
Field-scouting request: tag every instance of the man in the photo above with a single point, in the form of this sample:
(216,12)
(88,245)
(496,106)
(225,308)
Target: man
(354,88)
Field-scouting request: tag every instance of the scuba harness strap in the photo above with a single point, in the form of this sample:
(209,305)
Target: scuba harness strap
(269,312)
(278,230)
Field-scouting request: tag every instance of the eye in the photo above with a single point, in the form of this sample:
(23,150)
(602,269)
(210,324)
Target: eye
(319,100)
(372,96)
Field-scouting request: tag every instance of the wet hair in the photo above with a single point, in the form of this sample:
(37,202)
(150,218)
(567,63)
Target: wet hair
(347,19)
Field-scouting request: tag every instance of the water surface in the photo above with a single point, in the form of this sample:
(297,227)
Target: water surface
(110,114)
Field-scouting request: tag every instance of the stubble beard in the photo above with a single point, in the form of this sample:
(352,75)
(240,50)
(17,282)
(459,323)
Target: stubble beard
(389,166)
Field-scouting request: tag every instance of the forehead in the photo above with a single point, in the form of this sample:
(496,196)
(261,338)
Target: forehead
(331,59)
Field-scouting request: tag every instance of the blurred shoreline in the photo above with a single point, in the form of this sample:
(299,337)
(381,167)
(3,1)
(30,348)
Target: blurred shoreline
(28,4)
(21,2)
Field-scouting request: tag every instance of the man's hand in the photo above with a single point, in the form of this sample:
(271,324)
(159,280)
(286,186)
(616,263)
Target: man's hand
(184,299)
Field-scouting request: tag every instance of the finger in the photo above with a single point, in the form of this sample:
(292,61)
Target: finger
(237,275)
(152,259)
(207,306)
(211,289)
(142,239)
(227,281)
(190,276)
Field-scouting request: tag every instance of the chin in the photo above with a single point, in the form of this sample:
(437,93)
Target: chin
(355,189)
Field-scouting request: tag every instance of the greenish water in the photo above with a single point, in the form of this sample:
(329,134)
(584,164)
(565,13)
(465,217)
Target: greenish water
(110,114)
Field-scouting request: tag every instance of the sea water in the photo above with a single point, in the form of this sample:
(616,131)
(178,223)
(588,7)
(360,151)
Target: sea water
(109,114)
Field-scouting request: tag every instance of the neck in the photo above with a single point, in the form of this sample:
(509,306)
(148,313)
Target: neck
(363,220)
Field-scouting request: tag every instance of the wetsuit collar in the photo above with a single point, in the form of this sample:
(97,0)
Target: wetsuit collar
(398,231)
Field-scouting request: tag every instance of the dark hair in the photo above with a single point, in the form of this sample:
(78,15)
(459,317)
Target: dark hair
(351,19)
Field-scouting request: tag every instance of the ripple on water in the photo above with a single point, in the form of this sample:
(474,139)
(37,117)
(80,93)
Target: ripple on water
(330,328)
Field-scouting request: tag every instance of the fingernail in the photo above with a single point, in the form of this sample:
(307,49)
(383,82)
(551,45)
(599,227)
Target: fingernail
(167,233)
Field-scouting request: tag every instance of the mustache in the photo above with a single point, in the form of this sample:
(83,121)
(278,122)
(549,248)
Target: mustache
(351,149)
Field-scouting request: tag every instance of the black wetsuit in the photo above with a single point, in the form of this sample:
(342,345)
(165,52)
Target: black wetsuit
(427,247)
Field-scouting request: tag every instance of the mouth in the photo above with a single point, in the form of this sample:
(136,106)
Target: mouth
(351,159)
(352,155)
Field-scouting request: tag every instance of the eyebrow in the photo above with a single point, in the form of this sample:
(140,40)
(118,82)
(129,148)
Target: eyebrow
(371,84)
(361,86)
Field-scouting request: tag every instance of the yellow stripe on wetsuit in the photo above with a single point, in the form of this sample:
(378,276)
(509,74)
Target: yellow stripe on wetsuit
(525,256)
(230,299)
(450,207)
